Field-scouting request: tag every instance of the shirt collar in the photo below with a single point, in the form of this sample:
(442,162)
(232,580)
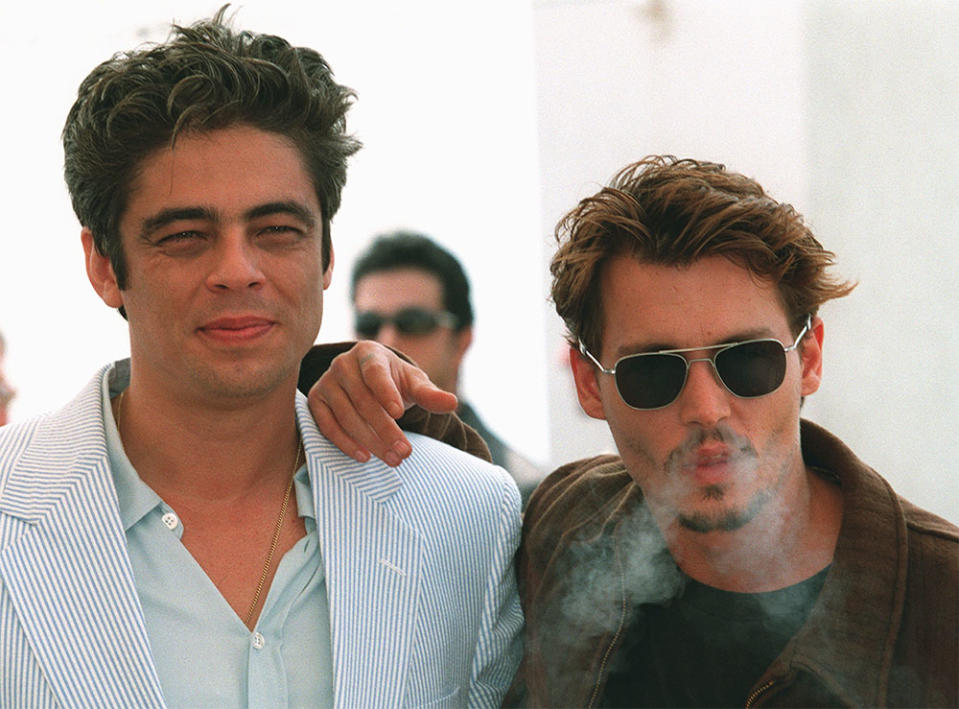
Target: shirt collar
(136,498)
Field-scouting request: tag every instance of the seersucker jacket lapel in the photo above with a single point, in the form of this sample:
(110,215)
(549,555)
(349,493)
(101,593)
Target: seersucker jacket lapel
(68,576)
(66,568)
(373,565)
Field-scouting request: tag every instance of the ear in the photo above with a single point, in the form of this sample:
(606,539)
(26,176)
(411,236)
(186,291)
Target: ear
(810,358)
(459,342)
(328,273)
(587,386)
(100,271)
(464,338)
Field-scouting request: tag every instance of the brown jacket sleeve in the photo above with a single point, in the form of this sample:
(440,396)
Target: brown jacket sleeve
(447,428)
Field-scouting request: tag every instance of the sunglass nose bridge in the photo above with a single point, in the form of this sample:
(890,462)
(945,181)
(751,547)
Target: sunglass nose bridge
(711,361)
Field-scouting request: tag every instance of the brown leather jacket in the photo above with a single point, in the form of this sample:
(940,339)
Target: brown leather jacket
(884,631)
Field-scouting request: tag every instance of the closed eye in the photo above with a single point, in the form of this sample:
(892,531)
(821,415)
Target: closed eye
(280,235)
(181,241)
(179,236)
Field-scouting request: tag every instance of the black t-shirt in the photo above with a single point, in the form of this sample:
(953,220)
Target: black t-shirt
(707,647)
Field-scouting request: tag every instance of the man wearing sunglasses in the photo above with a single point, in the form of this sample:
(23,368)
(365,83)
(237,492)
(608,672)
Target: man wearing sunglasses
(411,294)
(733,554)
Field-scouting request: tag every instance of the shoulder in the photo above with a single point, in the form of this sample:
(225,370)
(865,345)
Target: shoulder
(865,489)
(575,502)
(439,469)
(923,522)
(933,541)
(62,435)
(580,489)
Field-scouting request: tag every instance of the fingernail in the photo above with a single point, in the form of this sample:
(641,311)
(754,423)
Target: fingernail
(395,410)
(361,456)
(402,448)
(391,459)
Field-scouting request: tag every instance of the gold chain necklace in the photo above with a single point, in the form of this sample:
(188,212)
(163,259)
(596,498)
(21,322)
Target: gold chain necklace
(277,528)
(276,538)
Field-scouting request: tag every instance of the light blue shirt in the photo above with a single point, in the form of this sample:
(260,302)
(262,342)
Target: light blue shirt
(204,653)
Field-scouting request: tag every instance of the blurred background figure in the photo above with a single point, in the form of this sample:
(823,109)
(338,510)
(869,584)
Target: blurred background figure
(411,294)
(7,392)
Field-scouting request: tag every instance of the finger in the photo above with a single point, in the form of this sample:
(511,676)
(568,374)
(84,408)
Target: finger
(386,437)
(329,427)
(376,367)
(422,392)
(341,415)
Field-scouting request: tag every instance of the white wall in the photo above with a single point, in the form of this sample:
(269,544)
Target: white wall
(883,117)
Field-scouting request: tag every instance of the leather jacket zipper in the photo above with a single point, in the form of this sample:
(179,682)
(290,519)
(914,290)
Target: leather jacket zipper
(758,691)
(601,673)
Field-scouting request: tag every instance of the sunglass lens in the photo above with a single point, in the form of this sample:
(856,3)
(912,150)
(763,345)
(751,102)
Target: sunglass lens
(368,325)
(650,381)
(415,321)
(752,368)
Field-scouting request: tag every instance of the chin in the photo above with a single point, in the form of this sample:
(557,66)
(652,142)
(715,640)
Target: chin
(714,516)
(244,381)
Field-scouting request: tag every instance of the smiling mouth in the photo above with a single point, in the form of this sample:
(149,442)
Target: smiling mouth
(235,330)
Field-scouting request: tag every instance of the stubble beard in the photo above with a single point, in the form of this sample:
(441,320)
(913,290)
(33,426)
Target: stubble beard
(717,514)
(239,381)
(728,519)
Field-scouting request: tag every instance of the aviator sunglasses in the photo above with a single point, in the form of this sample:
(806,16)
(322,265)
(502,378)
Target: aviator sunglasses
(652,380)
(408,321)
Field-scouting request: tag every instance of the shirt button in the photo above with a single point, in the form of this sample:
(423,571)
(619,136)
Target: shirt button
(170,520)
(258,641)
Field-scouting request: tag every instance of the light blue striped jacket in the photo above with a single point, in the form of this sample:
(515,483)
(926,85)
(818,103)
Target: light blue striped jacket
(418,563)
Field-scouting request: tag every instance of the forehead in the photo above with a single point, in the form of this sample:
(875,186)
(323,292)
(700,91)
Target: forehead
(228,170)
(711,301)
(387,291)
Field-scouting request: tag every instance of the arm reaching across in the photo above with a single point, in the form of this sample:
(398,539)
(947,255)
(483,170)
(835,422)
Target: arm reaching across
(365,386)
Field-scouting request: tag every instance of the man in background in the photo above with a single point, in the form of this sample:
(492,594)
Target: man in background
(411,294)
(180,534)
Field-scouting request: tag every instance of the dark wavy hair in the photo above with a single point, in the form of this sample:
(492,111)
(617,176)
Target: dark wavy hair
(203,78)
(406,249)
(672,212)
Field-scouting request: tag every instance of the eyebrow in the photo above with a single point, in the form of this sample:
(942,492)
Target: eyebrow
(166,217)
(295,209)
(759,333)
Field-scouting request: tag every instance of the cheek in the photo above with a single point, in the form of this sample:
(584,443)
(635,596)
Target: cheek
(642,438)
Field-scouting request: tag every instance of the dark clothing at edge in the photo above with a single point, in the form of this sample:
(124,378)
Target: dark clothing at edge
(884,630)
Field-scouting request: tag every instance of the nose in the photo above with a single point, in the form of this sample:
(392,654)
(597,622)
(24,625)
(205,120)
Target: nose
(236,264)
(704,399)
(388,335)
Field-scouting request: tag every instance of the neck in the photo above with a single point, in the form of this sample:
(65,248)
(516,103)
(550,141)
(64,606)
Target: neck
(208,450)
(792,538)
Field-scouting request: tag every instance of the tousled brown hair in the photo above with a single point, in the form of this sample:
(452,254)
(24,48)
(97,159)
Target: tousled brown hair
(203,78)
(672,212)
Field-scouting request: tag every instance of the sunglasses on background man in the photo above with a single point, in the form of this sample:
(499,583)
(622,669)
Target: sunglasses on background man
(408,321)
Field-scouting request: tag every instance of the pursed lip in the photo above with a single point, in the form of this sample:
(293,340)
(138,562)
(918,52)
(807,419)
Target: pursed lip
(237,328)
(708,464)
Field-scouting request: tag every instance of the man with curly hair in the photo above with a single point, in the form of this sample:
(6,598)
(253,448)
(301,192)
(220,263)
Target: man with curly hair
(733,553)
